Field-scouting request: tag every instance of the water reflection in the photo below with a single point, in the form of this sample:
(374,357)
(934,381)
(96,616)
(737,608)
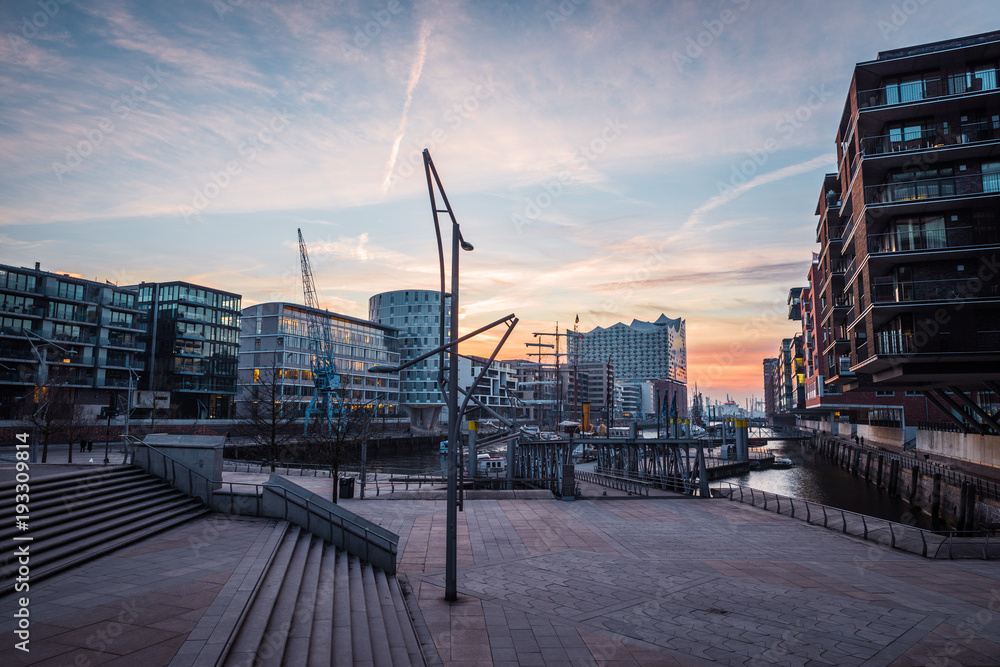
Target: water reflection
(815,478)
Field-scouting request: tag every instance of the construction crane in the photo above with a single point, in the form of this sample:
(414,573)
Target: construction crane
(324,369)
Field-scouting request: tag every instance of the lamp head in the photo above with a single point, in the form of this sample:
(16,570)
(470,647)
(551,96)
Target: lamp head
(466,245)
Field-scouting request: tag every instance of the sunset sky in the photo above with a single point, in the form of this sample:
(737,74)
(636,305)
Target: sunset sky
(615,160)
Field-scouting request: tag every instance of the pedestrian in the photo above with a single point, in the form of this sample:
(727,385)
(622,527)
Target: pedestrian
(862,441)
(83,445)
(90,445)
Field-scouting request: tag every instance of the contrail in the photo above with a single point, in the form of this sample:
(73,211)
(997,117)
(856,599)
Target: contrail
(425,31)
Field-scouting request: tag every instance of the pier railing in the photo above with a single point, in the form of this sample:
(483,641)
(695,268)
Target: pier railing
(926,543)
(613,481)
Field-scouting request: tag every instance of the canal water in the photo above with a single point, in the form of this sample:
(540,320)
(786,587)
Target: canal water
(815,478)
(812,478)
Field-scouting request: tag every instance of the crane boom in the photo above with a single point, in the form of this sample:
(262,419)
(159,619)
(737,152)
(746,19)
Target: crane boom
(325,375)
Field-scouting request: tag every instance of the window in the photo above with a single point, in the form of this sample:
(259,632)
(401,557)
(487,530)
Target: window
(991,176)
(881,392)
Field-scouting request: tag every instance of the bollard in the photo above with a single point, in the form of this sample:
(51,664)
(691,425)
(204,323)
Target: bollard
(963,500)
(970,514)
(914,485)
(936,501)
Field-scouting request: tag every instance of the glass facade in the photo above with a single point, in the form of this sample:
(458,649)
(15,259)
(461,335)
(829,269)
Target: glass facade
(277,345)
(192,336)
(57,329)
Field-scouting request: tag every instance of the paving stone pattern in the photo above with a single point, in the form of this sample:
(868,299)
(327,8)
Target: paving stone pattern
(657,581)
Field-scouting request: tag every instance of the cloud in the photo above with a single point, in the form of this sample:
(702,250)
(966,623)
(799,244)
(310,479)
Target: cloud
(418,67)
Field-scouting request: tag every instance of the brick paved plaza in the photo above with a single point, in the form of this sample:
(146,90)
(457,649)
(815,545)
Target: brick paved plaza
(607,581)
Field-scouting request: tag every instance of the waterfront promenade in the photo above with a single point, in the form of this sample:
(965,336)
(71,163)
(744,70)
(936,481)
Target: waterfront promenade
(615,580)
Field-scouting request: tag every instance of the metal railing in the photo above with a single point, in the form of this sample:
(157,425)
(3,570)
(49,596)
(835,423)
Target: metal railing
(933,188)
(907,140)
(908,92)
(904,240)
(616,482)
(209,486)
(926,543)
(948,289)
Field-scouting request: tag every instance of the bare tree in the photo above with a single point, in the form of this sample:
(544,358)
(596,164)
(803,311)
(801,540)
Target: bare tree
(335,437)
(264,416)
(52,412)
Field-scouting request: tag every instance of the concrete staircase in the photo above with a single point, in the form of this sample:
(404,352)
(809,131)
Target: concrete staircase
(78,516)
(316,605)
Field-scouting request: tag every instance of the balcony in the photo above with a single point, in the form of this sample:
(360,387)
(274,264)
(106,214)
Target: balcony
(23,311)
(954,86)
(931,290)
(927,138)
(906,240)
(895,343)
(933,188)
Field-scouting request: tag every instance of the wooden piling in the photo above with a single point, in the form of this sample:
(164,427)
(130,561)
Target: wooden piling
(936,501)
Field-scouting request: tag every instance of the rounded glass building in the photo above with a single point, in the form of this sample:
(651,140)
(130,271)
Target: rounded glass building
(417,314)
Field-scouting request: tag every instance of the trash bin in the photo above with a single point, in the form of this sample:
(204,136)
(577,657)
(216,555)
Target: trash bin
(347,487)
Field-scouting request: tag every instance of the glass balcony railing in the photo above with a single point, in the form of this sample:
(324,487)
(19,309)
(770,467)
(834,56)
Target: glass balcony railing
(924,138)
(933,188)
(888,343)
(907,240)
(931,290)
(909,92)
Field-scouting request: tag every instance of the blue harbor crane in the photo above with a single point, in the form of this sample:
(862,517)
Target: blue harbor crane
(324,369)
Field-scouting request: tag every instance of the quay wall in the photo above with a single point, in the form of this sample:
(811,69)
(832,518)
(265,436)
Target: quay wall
(971,447)
(912,480)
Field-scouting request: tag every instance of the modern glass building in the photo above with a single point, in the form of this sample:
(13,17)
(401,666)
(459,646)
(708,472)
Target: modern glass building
(637,351)
(417,315)
(192,344)
(57,329)
(276,345)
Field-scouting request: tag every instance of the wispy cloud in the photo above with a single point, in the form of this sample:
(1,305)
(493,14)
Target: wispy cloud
(418,67)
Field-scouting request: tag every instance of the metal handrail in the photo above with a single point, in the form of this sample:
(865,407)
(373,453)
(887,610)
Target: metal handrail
(867,533)
(630,486)
(209,483)
(343,523)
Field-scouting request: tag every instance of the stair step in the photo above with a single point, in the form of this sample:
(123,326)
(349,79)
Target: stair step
(46,520)
(361,644)
(377,633)
(301,627)
(272,647)
(321,636)
(51,562)
(252,631)
(69,477)
(390,620)
(343,649)
(44,487)
(405,623)
(103,525)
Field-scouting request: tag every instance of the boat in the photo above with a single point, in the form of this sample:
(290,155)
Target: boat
(782,463)
(491,464)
